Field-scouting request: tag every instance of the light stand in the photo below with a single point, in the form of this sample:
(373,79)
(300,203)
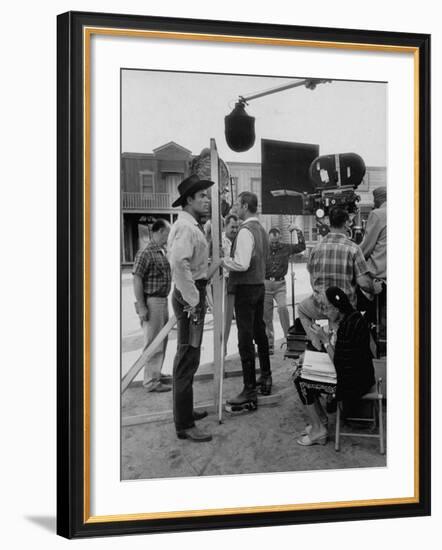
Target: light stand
(292,274)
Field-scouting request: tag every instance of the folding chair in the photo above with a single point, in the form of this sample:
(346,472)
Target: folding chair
(376,420)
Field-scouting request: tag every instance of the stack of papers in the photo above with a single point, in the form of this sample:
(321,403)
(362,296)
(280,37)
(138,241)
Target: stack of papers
(318,366)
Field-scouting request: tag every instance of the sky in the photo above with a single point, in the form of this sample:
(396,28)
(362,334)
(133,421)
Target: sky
(189,109)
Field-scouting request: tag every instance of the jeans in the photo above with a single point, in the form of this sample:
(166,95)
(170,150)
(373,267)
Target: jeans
(275,290)
(158,317)
(249,310)
(187,358)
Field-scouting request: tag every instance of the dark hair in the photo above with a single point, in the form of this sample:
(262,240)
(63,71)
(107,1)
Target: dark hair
(274,231)
(189,196)
(337,216)
(249,198)
(230,217)
(339,299)
(159,224)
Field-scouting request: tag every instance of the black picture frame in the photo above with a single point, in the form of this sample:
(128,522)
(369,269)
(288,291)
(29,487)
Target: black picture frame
(73,518)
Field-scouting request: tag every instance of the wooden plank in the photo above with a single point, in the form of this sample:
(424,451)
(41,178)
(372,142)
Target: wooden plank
(141,361)
(209,406)
(218,317)
(202,377)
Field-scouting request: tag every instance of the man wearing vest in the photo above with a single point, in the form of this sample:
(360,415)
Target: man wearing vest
(247,271)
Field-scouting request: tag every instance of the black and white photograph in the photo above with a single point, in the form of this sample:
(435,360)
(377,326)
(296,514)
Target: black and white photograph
(235,355)
(253,249)
(210,354)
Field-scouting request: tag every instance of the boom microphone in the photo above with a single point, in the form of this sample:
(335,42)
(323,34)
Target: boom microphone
(239,128)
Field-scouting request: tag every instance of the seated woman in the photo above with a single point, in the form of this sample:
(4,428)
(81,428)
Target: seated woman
(349,348)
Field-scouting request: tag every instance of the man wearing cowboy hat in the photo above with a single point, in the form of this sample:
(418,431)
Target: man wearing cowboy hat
(188,257)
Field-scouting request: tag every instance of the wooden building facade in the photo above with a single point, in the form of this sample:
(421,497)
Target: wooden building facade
(149,183)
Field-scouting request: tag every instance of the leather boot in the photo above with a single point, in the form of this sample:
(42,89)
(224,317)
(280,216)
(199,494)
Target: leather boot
(248,393)
(264,382)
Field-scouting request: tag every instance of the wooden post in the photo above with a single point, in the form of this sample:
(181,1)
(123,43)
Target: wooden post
(292,274)
(217,286)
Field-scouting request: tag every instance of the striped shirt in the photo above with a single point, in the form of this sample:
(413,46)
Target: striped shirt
(336,261)
(152,266)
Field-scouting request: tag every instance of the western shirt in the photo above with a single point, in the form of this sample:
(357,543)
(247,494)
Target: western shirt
(152,266)
(336,261)
(188,256)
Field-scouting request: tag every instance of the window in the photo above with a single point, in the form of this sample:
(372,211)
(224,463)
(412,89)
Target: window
(147,183)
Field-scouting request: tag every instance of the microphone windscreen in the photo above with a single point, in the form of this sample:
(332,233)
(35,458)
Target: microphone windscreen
(239,129)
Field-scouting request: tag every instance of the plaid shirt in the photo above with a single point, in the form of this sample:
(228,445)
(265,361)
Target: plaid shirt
(335,261)
(277,263)
(152,266)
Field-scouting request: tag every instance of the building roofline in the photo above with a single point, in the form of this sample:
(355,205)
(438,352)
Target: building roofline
(136,155)
(171,143)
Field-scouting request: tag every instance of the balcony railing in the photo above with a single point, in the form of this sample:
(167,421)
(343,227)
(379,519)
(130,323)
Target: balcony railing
(145,201)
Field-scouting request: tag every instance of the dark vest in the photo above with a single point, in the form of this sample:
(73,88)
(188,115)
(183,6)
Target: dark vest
(256,273)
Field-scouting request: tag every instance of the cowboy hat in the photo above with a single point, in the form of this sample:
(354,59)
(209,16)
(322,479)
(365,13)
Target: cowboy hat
(190,185)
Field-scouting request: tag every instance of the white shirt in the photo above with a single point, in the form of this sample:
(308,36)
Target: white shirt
(244,249)
(226,245)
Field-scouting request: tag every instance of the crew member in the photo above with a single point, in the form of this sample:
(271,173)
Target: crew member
(334,262)
(188,256)
(374,248)
(247,270)
(275,285)
(374,244)
(151,283)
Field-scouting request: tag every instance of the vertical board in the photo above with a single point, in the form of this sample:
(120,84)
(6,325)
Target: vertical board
(217,286)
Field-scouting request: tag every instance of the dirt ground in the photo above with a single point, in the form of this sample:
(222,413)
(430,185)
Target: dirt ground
(260,442)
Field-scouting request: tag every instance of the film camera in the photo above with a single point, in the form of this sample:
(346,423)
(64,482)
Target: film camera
(297,181)
(335,178)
